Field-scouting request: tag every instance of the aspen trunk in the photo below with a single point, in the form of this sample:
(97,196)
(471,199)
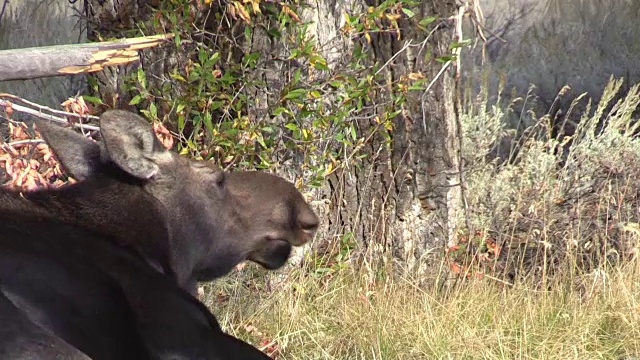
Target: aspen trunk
(405,198)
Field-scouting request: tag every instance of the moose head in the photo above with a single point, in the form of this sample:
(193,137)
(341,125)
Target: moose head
(186,217)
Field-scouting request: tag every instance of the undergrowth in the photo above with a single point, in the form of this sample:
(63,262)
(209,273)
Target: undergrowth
(557,204)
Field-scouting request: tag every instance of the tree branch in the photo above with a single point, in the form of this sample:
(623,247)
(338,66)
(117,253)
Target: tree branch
(37,62)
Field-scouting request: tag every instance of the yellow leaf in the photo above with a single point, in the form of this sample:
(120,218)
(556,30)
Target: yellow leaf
(392,17)
(415,76)
(368,37)
(255,5)
(242,12)
(299,288)
(329,169)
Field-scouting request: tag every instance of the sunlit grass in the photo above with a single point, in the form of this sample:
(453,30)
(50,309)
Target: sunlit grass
(345,316)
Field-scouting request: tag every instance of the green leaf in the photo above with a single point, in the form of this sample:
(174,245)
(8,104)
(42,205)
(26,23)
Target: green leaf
(177,76)
(392,115)
(318,62)
(321,66)
(445,58)
(251,59)
(418,85)
(296,76)
(279,110)
(215,105)
(408,12)
(207,122)
(260,141)
(427,20)
(142,79)
(153,111)
(215,57)
(456,44)
(136,100)
(202,56)
(274,32)
(92,99)
(295,94)
(181,123)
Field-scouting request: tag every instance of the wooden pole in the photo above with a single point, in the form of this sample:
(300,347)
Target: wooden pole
(38,62)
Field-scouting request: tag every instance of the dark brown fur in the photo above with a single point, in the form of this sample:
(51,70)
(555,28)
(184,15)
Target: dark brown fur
(142,225)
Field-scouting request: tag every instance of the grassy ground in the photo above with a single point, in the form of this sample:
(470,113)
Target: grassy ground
(345,316)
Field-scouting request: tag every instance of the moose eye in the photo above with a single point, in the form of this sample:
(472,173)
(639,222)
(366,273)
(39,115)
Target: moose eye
(309,226)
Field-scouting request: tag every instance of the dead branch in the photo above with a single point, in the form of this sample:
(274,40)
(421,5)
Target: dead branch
(37,62)
(43,112)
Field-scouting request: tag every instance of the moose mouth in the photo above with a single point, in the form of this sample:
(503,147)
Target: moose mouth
(273,255)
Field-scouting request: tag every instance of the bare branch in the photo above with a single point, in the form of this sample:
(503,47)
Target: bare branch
(41,115)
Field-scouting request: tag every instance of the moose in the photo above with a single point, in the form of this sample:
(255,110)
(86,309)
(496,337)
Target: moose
(107,267)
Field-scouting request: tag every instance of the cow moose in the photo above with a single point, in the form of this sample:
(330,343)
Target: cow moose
(106,268)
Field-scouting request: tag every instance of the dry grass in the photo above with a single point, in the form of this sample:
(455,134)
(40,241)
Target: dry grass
(346,316)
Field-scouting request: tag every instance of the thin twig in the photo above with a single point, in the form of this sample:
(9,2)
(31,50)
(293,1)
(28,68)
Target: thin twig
(406,45)
(24,142)
(41,107)
(39,114)
(4,6)
(424,94)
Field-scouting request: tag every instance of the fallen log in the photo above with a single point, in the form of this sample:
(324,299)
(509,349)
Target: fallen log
(59,60)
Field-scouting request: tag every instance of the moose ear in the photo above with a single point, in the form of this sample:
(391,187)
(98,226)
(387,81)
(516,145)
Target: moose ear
(79,155)
(131,144)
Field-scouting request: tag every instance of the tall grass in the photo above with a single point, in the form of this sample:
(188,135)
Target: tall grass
(564,286)
(348,317)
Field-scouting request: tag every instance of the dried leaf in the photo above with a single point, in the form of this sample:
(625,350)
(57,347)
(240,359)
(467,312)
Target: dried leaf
(242,12)
(76,105)
(163,134)
(455,267)
(231,10)
(287,10)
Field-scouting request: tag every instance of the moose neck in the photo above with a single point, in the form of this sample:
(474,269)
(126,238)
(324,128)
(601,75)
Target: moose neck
(121,211)
(199,244)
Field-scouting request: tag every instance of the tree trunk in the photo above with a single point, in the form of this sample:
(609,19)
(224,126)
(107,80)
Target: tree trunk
(404,198)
